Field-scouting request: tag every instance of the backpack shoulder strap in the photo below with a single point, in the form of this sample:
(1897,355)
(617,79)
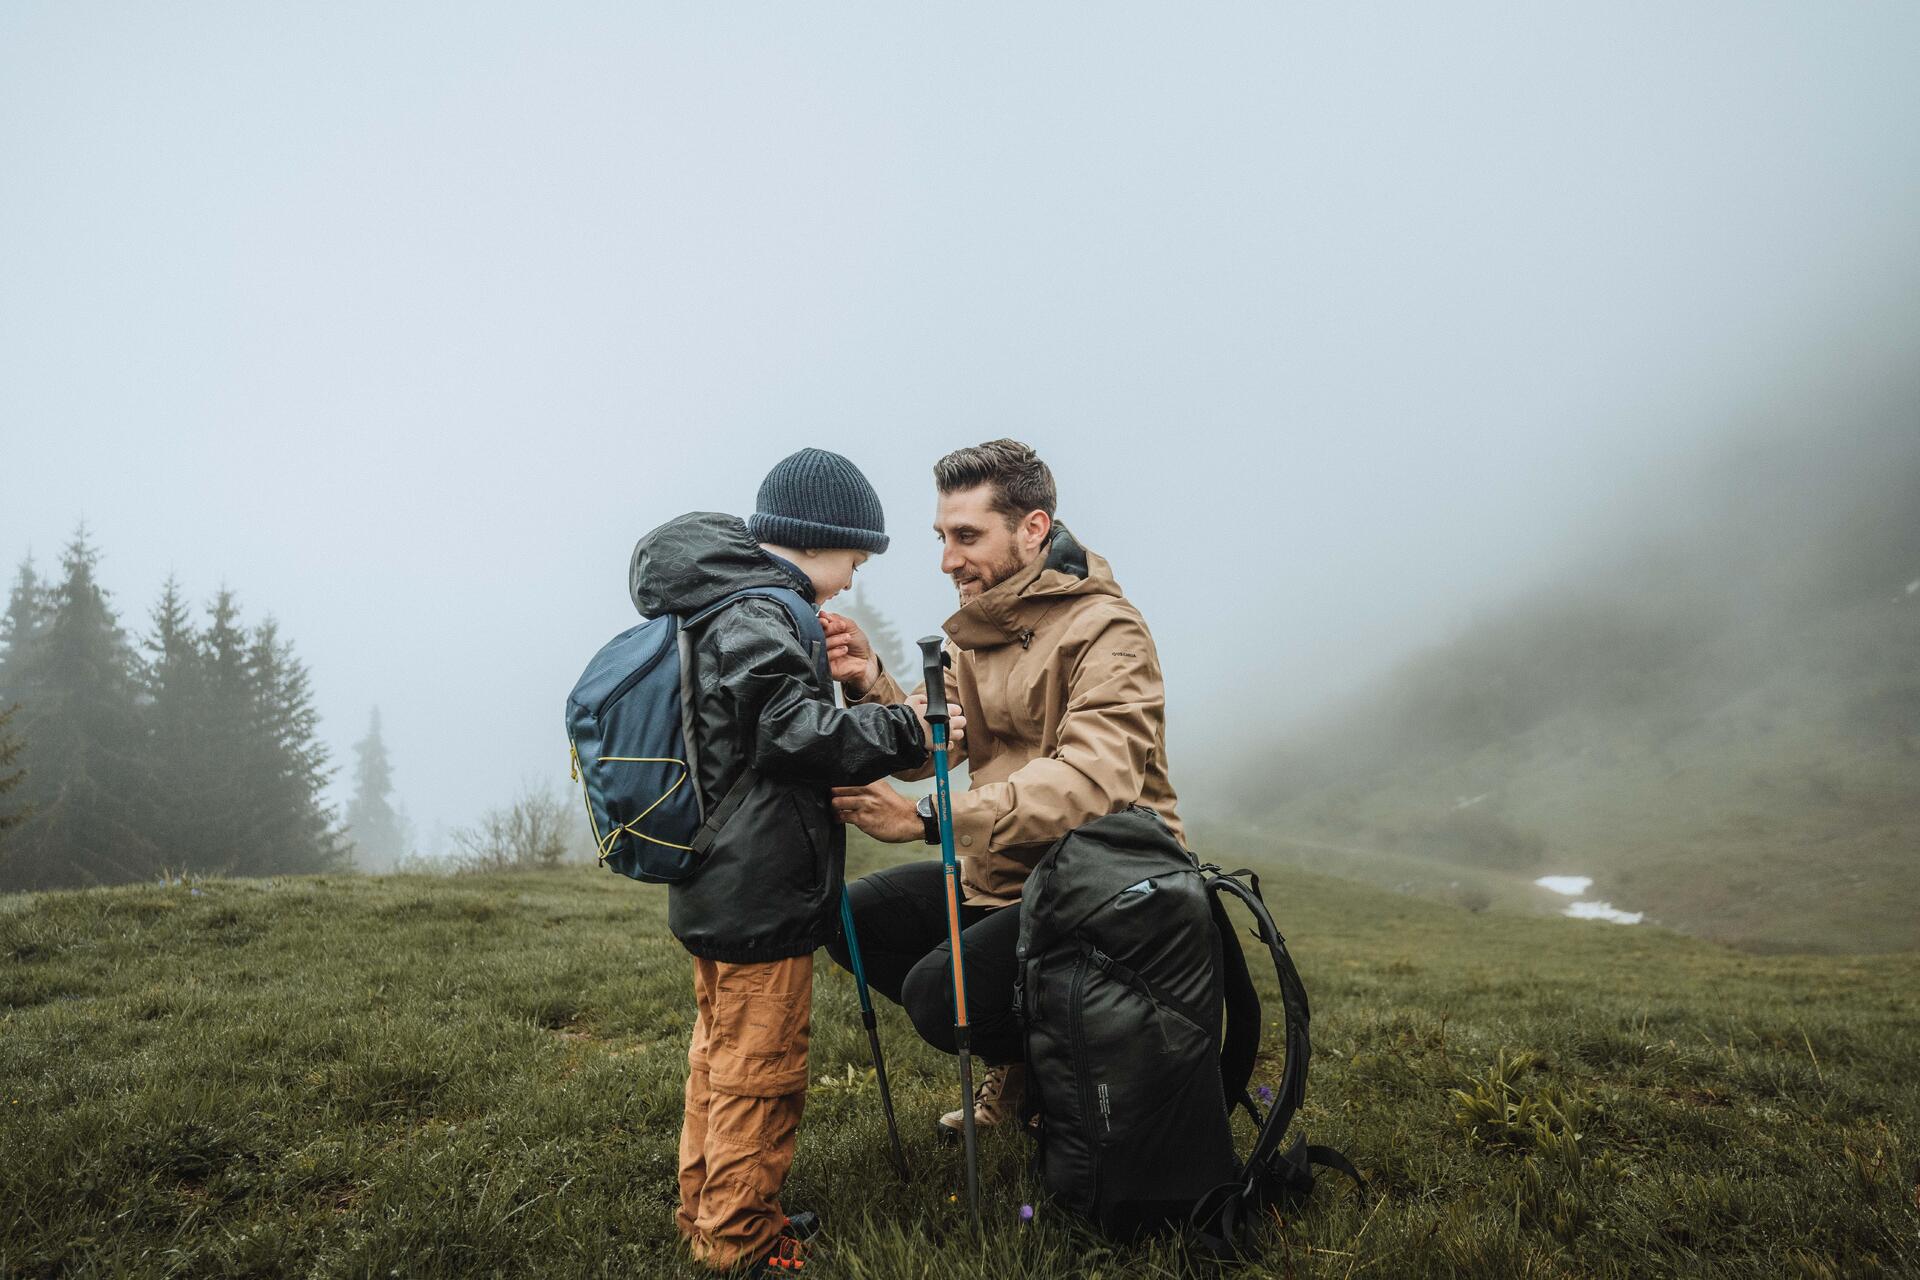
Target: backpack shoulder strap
(1293,998)
(1270,1175)
(1241,1043)
(804,617)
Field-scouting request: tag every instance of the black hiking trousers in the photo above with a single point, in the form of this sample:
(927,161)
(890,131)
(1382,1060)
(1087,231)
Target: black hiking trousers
(900,914)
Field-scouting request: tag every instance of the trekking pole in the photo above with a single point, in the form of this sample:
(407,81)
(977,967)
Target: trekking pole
(873,1031)
(933,663)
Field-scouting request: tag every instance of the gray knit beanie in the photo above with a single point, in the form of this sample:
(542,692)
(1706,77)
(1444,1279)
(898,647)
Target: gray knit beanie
(816,500)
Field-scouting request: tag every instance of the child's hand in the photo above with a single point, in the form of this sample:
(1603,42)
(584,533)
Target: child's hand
(956,721)
(850,659)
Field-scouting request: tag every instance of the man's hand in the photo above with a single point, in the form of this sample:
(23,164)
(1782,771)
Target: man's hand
(880,811)
(956,722)
(850,659)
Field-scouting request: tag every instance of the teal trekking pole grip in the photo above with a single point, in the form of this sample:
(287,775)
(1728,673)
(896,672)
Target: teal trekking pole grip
(933,662)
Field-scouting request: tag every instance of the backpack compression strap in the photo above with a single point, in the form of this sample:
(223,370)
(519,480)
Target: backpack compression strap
(813,638)
(1223,1215)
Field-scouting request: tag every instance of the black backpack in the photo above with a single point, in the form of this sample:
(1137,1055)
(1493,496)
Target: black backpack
(1127,959)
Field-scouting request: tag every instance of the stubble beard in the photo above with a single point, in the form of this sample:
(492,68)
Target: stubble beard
(996,575)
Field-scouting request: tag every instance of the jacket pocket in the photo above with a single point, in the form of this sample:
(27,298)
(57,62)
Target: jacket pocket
(815,838)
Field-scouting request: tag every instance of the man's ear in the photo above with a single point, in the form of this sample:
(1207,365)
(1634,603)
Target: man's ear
(1034,530)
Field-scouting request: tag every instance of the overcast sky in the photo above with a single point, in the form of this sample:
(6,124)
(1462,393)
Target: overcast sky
(1335,322)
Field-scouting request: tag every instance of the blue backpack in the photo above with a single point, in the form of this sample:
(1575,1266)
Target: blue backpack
(630,726)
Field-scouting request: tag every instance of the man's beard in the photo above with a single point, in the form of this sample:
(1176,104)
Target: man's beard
(995,576)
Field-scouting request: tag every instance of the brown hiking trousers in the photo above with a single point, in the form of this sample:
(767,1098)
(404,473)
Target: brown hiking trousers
(746,1087)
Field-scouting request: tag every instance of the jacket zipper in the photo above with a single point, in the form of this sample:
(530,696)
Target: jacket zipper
(620,690)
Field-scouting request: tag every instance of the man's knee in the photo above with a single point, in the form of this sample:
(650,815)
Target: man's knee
(896,918)
(927,996)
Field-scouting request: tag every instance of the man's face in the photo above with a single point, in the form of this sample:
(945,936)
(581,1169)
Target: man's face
(979,549)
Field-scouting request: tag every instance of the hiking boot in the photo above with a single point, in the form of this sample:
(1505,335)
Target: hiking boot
(995,1099)
(788,1255)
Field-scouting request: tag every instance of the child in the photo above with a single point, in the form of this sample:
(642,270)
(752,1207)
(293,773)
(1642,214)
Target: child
(769,891)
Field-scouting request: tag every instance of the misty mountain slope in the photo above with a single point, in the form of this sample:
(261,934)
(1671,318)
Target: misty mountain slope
(1723,729)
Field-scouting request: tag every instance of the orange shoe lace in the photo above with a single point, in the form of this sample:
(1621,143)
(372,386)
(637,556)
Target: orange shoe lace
(788,1254)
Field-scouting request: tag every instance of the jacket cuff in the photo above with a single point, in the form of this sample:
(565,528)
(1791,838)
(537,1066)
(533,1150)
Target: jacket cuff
(973,819)
(885,691)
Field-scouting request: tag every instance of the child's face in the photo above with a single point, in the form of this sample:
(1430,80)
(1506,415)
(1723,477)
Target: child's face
(831,571)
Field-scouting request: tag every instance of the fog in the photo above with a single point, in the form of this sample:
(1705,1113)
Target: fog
(1337,326)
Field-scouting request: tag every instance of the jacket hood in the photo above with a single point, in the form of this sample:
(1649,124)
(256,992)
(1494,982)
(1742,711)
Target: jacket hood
(692,560)
(1009,611)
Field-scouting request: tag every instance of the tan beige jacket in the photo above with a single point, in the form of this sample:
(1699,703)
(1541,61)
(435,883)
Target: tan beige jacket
(1065,713)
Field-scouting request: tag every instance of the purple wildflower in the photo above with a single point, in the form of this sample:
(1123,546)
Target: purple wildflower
(1026,1213)
(1266,1094)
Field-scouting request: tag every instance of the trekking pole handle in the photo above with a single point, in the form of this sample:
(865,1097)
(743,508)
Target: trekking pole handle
(933,664)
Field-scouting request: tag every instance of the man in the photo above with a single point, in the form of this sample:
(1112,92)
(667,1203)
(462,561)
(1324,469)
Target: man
(1065,724)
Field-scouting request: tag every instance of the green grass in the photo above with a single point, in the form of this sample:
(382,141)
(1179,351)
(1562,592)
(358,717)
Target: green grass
(419,1077)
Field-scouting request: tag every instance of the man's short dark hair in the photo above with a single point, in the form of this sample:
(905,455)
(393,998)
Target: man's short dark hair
(1020,481)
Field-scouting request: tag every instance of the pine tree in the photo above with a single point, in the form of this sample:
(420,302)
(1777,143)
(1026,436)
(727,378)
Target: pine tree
(28,612)
(87,786)
(213,826)
(232,730)
(173,669)
(175,684)
(373,825)
(288,827)
(20,629)
(11,774)
(881,634)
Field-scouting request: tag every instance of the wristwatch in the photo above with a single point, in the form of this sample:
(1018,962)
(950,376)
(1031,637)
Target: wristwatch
(929,823)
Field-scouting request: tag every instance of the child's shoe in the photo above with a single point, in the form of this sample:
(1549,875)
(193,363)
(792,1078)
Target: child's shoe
(787,1257)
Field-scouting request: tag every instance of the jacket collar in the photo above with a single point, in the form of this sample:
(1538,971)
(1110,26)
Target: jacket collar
(800,581)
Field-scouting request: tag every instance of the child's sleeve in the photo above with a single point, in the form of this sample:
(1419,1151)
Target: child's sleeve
(792,729)
(886,690)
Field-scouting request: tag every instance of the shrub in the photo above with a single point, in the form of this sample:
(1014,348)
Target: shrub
(531,832)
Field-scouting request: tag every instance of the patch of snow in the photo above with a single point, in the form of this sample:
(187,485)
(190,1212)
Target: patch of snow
(1465,803)
(1568,885)
(1913,587)
(1603,911)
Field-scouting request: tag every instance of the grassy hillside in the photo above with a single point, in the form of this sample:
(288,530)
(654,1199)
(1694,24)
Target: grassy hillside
(1722,728)
(418,1077)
